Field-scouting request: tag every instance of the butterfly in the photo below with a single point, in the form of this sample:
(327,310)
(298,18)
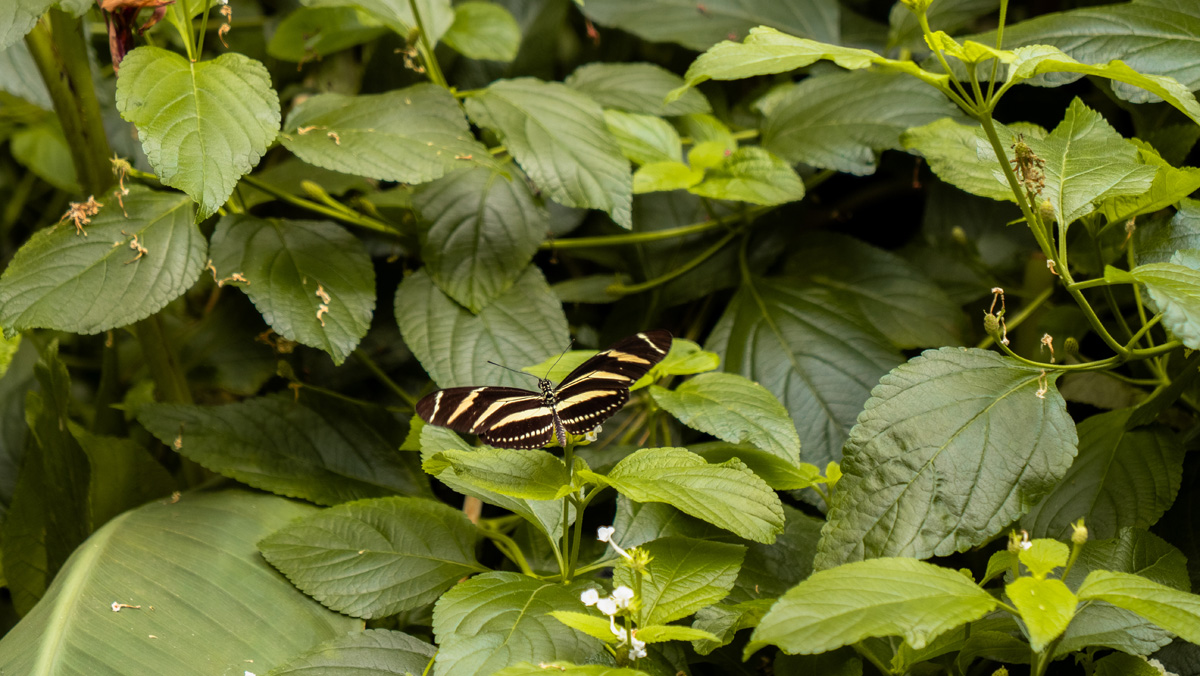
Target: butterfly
(510,417)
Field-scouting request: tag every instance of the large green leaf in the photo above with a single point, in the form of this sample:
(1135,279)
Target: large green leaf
(17,17)
(841,121)
(816,355)
(956,153)
(1121,478)
(436,15)
(482,230)
(374,558)
(315,32)
(484,30)
(1159,239)
(735,409)
(1176,611)
(561,668)
(209,602)
(637,523)
(1175,288)
(312,281)
(644,139)
(770,570)
(891,293)
(1170,186)
(635,88)
(524,325)
(952,447)
(321,449)
(728,495)
(43,149)
(498,619)
(19,75)
(559,137)
(412,135)
(87,284)
(527,474)
(885,597)
(685,575)
(753,175)
(203,125)
(375,652)
(700,26)
(1046,606)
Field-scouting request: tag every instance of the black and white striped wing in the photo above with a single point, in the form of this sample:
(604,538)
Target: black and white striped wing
(596,390)
(505,417)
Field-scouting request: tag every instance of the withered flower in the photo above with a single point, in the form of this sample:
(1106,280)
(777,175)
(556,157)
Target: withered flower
(121,17)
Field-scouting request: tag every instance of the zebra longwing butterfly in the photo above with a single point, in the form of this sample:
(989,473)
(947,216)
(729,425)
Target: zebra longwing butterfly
(509,417)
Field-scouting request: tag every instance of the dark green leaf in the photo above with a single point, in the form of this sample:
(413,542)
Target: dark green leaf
(1170,186)
(88,284)
(412,135)
(937,463)
(203,125)
(685,576)
(770,570)
(559,137)
(375,652)
(635,88)
(123,475)
(320,449)
(43,150)
(312,281)
(311,33)
(725,621)
(1120,664)
(484,30)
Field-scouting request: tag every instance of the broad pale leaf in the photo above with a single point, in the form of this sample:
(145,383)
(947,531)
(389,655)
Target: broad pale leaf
(891,293)
(567,669)
(752,175)
(203,125)
(699,27)
(1046,606)
(1174,610)
(886,597)
(780,474)
(685,576)
(1120,478)
(19,75)
(953,151)
(319,448)
(226,613)
(524,325)
(952,447)
(411,135)
(484,30)
(644,139)
(67,281)
(1175,289)
(1170,186)
(735,409)
(559,138)
(436,15)
(374,558)
(727,495)
(636,88)
(500,619)
(312,281)
(375,652)
(17,17)
(531,475)
(841,121)
(482,229)
(815,354)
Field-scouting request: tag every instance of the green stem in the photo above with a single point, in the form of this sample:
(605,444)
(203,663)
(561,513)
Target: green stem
(1137,289)
(60,52)
(1088,284)
(348,217)
(625,290)
(508,547)
(1142,331)
(1026,311)
(960,97)
(427,55)
(654,236)
(169,379)
(203,30)
(383,378)
(996,62)
(185,19)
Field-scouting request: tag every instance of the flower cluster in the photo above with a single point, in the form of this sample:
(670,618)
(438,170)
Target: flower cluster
(612,605)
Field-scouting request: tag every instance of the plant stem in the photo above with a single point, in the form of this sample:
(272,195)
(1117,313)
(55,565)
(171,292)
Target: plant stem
(1026,311)
(508,547)
(427,55)
(569,461)
(654,236)
(625,290)
(383,378)
(203,29)
(348,217)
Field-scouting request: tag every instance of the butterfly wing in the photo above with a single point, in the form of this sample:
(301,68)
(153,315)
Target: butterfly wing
(596,390)
(506,417)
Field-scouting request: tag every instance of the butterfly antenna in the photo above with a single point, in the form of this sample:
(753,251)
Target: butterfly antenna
(569,346)
(511,369)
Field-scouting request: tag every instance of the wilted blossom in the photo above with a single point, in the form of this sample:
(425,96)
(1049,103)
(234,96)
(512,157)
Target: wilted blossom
(121,16)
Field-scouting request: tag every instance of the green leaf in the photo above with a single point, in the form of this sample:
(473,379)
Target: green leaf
(635,88)
(637,523)
(203,125)
(1170,186)
(684,359)
(436,15)
(17,17)
(1176,611)
(779,473)
(320,448)
(123,475)
(372,652)
(770,570)
(411,135)
(559,138)
(685,576)
(1176,290)
(817,356)
(1043,556)
(374,558)
(481,231)
(664,177)
(735,409)
(43,149)
(532,475)
(659,633)
(1046,606)
(592,625)
(727,495)
(1120,664)
(753,175)
(891,293)
(1151,36)
(523,325)
(725,621)
(699,27)
(841,121)
(500,619)
(87,284)
(484,30)
(961,156)
(1120,478)
(293,175)
(567,669)
(228,609)
(8,350)
(1158,240)
(19,75)
(311,33)
(312,281)
(932,467)
(883,597)
(644,139)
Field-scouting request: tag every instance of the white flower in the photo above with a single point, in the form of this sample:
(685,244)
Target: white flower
(591,436)
(638,645)
(635,653)
(622,595)
(590,597)
(603,533)
(607,606)
(619,632)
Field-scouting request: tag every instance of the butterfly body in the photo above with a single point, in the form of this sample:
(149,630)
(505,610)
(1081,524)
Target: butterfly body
(510,417)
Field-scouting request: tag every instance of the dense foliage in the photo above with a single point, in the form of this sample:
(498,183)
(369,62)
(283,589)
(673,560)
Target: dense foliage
(932,271)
